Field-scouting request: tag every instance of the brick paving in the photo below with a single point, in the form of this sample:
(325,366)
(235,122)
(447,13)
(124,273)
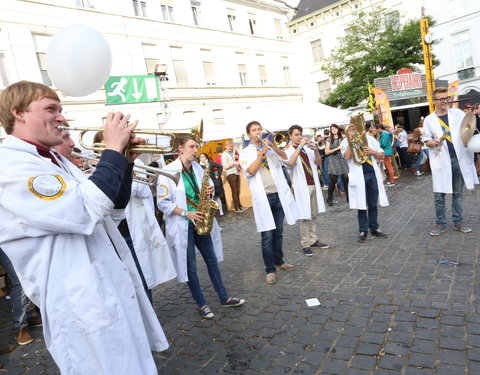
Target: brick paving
(387,306)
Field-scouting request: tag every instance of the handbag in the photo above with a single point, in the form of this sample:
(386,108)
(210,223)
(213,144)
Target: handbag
(414,148)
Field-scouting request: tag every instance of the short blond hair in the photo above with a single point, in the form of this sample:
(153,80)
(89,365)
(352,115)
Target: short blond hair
(439,90)
(18,96)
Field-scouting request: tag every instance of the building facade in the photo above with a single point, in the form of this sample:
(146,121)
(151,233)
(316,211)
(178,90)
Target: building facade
(221,56)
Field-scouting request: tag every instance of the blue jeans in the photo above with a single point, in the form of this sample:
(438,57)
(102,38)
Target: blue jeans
(129,242)
(419,159)
(457,197)
(272,240)
(205,246)
(326,177)
(369,218)
(19,300)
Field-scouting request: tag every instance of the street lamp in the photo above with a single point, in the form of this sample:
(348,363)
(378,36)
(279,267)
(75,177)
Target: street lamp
(161,73)
(427,58)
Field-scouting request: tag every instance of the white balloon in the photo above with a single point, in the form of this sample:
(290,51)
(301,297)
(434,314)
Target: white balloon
(78,60)
(474,143)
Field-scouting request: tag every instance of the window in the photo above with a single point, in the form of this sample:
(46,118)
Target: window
(324,89)
(150,53)
(317,50)
(218,117)
(242,71)
(3,71)
(41,43)
(278,28)
(251,23)
(286,76)
(180,72)
(209,73)
(462,49)
(262,71)
(195,12)
(393,20)
(167,10)
(140,8)
(84,4)
(231,20)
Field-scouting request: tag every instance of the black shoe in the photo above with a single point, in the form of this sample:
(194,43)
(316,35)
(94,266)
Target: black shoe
(378,234)
(363,237)
(330,203)
(233,302)
(307,252)
(317,243)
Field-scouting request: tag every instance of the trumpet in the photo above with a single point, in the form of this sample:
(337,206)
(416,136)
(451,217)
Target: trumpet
(196,133)
(280,138)
(142,173)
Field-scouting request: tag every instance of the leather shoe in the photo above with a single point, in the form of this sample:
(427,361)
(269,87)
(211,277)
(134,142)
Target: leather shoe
(35,321)
(23,336)
(286,267)
(271,278)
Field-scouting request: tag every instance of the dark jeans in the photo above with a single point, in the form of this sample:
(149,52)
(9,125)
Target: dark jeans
(129,242)
(234,182)
(457,197)
(326,176)
(404,157)
(19,300)
(272,240)
(205,246)
(369,218)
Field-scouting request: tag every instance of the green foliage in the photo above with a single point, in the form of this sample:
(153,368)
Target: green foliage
(375,45)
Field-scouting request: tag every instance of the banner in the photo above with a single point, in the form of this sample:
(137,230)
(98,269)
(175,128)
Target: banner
(383,107)
(453,93)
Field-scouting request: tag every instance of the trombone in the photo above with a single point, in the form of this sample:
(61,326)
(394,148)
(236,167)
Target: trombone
(196,133)
(280,140)
(142,173)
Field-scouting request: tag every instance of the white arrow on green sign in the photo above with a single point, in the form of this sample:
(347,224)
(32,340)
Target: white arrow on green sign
(132,89)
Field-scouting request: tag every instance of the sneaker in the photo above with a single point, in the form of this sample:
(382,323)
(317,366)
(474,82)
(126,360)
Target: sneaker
(271,278)
(390,184)
(206,312)
(325,188)
(286,267)
(23,336)
(418,173)
(437,230)
(233,302)
(461,228)
(35,321)
(363,237)
(307,252)
(320,245)
(243,209)
(378,234)
(395,177)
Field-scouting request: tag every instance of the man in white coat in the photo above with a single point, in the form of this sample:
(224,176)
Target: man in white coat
(451,162)
(306,186)
(58,230)
(272,199)
(365,184)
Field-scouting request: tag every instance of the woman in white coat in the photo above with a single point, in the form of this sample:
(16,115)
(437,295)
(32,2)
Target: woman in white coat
(365,187)
(178,204)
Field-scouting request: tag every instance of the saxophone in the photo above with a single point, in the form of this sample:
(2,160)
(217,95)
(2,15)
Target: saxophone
(206,205)
(358,139)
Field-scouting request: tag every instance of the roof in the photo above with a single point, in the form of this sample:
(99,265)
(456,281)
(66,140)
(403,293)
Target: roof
(306,7)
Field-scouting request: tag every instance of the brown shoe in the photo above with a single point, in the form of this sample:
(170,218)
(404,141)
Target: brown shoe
(35,321)
(271,278)
(286,267)
(23,336)
(7,349)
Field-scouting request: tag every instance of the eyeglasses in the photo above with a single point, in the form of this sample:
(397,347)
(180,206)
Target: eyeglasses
(443,100)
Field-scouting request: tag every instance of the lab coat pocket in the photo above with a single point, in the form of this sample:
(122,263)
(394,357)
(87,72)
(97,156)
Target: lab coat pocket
(92,298)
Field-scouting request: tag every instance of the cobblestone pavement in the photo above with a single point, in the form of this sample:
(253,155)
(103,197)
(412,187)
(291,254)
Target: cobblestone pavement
(387,306)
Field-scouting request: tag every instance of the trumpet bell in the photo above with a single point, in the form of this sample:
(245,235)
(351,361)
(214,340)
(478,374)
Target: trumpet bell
(281,139)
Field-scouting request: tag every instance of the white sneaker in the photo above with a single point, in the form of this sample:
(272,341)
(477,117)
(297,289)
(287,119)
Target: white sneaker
(418,173)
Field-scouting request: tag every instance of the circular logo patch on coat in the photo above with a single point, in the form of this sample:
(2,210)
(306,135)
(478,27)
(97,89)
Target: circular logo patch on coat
(162,191)
(47,187)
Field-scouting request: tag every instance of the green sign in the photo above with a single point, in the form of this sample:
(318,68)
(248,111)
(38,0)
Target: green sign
(132,89)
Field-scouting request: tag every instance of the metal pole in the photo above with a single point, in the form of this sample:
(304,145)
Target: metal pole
(427,58)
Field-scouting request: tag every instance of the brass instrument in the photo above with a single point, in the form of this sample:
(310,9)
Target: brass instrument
(196,133)
(357,139)
(206,205)
(280,138)
(150,174)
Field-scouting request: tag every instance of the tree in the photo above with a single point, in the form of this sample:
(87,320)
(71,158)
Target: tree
(375,45)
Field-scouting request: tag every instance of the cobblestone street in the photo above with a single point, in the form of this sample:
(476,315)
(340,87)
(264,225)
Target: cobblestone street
(387,306)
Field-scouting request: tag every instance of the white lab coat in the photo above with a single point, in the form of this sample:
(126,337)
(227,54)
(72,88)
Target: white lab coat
(261,207)
(170,196)
(57,230)
(149,243)
(300,187)
(356,182)
(439,157)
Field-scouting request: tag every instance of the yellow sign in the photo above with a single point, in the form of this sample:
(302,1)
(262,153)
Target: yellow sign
(383,107)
